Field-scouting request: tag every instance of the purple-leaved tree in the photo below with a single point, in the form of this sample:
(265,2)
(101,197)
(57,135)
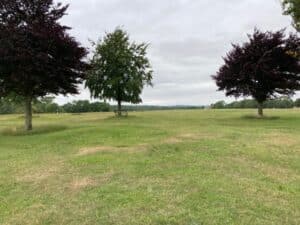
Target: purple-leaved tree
(264,67)
(37,56)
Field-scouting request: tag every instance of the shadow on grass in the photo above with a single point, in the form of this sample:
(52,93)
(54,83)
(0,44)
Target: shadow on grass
(33,117)
(118,118)
(254,117)
(19,131)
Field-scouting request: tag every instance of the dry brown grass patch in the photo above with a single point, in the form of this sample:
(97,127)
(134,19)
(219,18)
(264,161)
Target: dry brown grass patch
(280,139)
(183,137)
(81,183)
(40,174)
(96,149)
(84,182)
(277,173)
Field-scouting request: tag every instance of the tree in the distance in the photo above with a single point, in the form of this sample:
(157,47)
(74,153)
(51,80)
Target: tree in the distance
(119,69)
(37,56)
(292,7)
(264,67)
(297,103)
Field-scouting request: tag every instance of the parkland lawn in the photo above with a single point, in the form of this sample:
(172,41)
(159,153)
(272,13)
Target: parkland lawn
(164,167)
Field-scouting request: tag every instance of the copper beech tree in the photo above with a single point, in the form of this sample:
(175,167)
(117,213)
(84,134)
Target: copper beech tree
(264,67)
(37,55)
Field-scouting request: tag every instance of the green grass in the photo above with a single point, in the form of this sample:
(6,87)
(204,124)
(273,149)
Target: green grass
(168,167)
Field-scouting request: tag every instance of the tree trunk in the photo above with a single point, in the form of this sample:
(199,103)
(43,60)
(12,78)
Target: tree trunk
(28,114)
(119,108)
(260,109)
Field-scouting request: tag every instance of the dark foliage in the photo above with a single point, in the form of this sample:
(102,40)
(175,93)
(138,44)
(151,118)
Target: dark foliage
(266,66)
(37,56)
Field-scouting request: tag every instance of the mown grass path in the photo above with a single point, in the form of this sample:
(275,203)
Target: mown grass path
(164,167)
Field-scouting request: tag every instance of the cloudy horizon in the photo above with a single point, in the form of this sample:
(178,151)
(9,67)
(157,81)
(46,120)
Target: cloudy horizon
(187,39)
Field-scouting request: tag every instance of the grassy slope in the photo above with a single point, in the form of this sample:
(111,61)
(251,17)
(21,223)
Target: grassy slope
(170,167)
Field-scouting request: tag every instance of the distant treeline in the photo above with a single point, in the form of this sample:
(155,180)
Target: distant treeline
(47,105)
(153,107)
(280,103)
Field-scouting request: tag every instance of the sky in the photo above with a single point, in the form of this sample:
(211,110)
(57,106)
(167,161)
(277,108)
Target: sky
(187,38)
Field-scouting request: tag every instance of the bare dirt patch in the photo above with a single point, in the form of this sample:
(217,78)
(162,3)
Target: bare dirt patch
(183,137)
(96,149)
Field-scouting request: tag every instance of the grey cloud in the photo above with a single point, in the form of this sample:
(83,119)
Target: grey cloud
(187,38)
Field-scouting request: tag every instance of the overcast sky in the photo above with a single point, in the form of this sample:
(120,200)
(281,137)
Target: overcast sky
(187,39)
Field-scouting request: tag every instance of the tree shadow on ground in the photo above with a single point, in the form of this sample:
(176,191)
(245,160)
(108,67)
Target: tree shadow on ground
(255,117)
(117,118)
(20,131)
(33,117)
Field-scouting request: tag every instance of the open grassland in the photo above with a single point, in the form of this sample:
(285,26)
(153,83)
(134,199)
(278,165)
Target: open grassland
(167,167)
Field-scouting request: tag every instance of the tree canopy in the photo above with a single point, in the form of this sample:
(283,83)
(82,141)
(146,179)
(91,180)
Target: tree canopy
(292,7)
(37,55)
(119,69)
(264,67)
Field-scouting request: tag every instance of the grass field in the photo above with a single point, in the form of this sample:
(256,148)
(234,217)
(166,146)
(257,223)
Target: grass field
(167,167)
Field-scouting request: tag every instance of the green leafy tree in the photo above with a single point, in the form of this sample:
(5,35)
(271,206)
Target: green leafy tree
(11,104)
(84,106)
(278,103)
(119,69)
(6,106)
(45,105)
(297,103)
(219,105)
(292,7)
